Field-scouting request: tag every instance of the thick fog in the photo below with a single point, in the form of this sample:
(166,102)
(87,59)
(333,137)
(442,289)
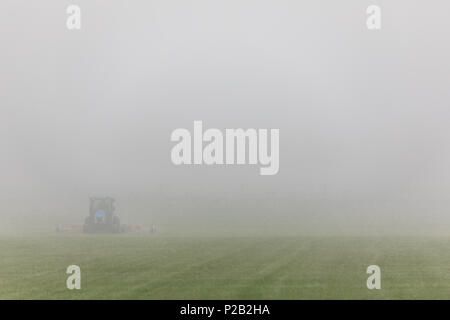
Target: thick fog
(363,114)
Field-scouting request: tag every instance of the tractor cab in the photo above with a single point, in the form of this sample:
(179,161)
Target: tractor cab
(101,217)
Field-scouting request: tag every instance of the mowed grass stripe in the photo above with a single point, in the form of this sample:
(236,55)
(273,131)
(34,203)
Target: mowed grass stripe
(148,267)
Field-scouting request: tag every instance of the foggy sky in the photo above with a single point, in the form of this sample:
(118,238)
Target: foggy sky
(363,115)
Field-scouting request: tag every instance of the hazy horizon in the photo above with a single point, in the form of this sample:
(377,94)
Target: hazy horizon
(363,115)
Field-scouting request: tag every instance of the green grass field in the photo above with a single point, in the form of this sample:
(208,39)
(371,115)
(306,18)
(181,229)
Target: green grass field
(149,267)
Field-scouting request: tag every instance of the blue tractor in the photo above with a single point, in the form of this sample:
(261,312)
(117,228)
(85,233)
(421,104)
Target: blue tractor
(101,216)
